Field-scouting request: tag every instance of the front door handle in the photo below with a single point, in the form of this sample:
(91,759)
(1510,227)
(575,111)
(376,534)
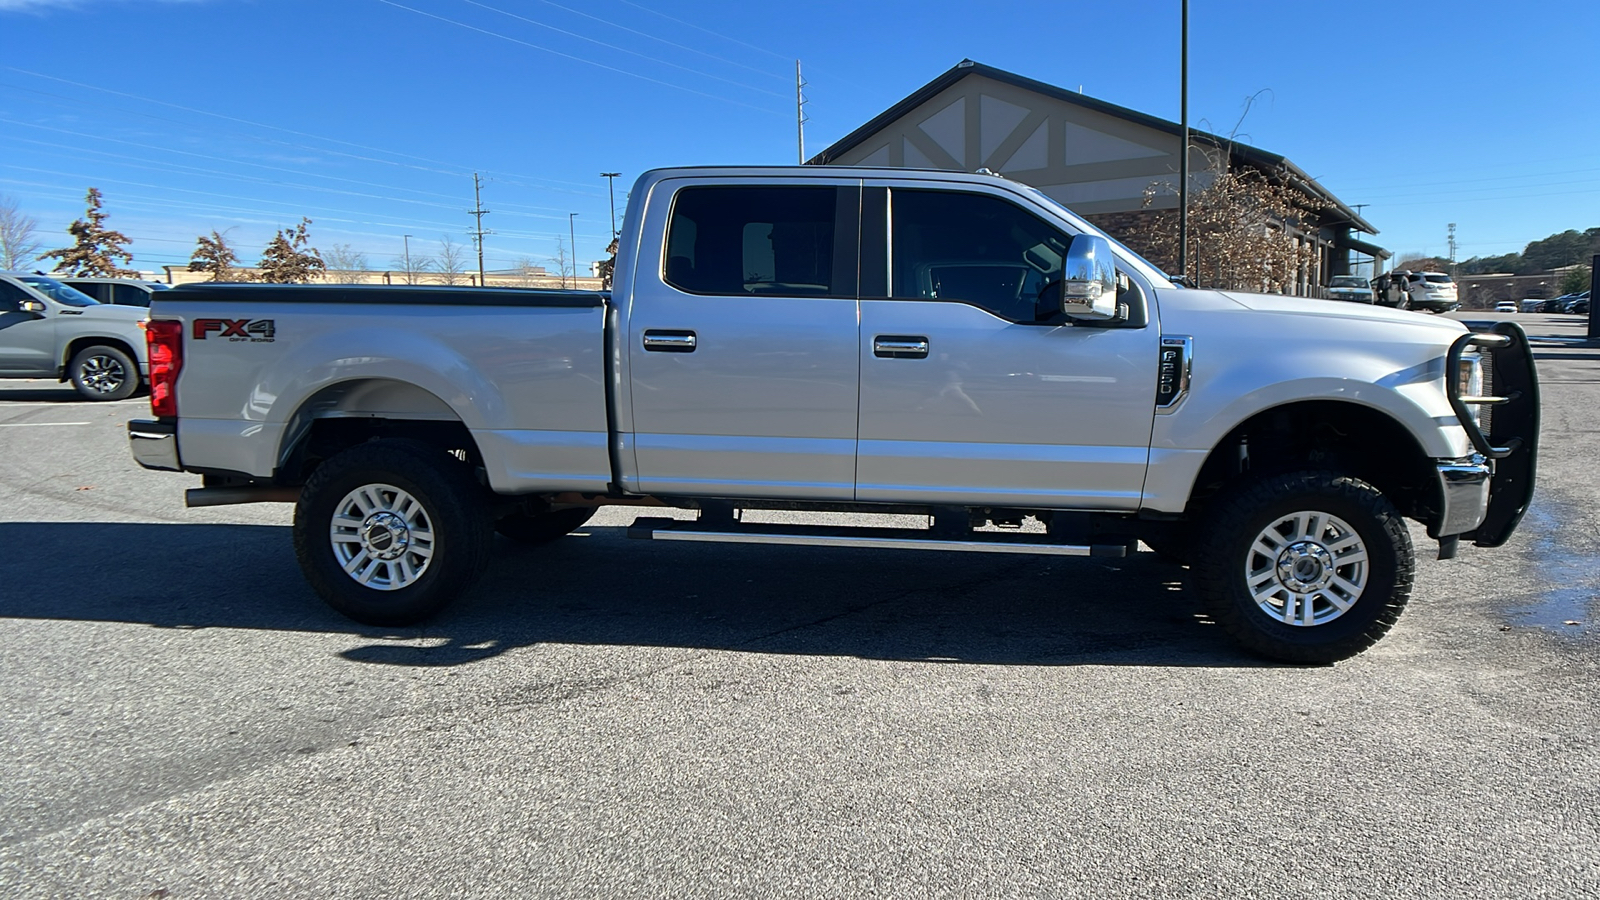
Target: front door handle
(900,346)
(669,341)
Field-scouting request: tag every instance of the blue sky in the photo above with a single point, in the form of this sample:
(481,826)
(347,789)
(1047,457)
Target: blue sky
(370,116)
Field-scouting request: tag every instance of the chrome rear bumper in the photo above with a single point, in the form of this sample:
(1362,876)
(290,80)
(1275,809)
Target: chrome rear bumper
(154,444)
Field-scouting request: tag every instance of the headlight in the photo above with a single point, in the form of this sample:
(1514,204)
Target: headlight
(1469,381)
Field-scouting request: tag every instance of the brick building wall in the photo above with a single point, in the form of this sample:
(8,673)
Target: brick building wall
(1127,226)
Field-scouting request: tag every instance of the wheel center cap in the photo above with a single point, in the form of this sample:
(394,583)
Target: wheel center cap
(1305,566)
(385,535)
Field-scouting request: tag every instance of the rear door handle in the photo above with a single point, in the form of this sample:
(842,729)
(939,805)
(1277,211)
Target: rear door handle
(669,341)
(900,346)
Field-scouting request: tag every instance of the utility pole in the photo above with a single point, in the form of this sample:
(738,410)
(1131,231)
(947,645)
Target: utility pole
(611,186)
(1452,240)
(572,236)
(409,277)
(800,119)
(480,212)
(1183,152)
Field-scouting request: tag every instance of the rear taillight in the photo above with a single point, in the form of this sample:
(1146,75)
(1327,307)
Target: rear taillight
(165,341)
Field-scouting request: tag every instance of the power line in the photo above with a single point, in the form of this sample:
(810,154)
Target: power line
(654,37)
(663,15)
(587,62)
(458,169)
(522,18)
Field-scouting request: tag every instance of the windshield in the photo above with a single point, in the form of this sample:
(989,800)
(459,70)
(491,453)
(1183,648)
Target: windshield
(158,286)
(57,291)
(1348,281)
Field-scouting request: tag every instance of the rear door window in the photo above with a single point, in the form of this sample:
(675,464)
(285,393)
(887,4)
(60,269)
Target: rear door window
(129,295)
(776,241)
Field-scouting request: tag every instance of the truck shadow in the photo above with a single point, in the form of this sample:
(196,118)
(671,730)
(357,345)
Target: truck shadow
(598,588)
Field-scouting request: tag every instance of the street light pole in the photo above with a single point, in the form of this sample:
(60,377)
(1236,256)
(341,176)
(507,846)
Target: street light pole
(572,236)
(407,239)
(611,186)
(1183,153)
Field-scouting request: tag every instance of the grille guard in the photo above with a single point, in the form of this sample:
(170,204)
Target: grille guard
(1513,438)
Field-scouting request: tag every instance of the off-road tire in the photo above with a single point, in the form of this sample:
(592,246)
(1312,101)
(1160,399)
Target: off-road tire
(454,509)
(103,372)
(543,528)
(1224,553)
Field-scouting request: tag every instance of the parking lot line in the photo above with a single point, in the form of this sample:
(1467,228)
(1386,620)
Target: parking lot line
(39,424)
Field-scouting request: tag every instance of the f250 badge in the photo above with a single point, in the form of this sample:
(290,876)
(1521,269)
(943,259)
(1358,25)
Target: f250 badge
(258,331)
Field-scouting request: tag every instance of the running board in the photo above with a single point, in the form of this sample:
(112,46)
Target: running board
(652,529)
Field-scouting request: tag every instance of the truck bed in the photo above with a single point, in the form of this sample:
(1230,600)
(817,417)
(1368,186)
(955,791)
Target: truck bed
(523,370)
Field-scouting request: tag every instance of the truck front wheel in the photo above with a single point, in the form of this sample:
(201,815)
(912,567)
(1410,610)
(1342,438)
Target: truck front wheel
(1305,567)
(103,373)
(389,532)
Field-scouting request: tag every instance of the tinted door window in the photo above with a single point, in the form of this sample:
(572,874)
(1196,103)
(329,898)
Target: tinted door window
(11,296)
(129,295)
(977,249)
(101,292)
(728,241)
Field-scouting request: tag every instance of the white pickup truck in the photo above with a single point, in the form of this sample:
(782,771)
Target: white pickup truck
(958,347)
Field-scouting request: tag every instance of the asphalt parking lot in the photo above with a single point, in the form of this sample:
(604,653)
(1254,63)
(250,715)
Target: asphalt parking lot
(181,717)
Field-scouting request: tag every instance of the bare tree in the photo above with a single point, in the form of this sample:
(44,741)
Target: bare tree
(346,264)
(412,268)
(608,266)
(95,248)
(18,244)
(214,255)
(1242,231)
(290,258)
(451,261)
(564,265)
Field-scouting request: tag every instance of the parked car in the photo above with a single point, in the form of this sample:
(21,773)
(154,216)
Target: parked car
(1353,288)
(998,359)
(1430,291)
(1531,305)
(49,330)
(1506,306)
(115,291)
(1579,306)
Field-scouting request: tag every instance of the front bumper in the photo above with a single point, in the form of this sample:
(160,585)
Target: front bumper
(1464,493)
(154,444)
(1509,441)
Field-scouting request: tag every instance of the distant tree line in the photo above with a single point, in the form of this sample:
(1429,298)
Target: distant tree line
(1569,248)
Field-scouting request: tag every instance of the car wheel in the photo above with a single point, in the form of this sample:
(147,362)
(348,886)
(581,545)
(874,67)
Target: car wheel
(543,528)
(1305,567)
(391,531)
(101,372)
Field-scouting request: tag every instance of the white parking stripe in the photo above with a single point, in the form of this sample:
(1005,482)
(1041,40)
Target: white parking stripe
(39,424)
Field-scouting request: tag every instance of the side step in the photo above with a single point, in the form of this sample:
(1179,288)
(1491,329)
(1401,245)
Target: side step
(653,529)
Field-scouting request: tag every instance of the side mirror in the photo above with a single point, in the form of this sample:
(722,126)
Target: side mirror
(1089,279)
(31,305)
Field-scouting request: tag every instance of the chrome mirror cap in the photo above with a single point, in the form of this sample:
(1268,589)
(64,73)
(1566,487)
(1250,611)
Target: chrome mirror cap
(1089,273)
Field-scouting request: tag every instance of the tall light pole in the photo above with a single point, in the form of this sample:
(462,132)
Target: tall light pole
(572,236)
(611,186)
(1183,152)
(407,239)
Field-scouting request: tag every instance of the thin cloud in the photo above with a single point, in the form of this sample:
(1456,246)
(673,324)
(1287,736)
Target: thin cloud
(43,5)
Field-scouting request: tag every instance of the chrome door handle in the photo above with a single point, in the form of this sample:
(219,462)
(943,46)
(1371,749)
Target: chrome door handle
(669,341)
(900,346)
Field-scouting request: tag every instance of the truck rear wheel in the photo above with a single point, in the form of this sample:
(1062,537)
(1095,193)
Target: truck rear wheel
(543,528)
(391,531)
(1305,567)
(102,372)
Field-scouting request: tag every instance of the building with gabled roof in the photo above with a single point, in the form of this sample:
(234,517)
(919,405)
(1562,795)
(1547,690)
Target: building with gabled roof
(1097,158)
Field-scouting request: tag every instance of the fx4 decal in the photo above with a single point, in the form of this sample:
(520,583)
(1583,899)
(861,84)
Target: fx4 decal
(259,331)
